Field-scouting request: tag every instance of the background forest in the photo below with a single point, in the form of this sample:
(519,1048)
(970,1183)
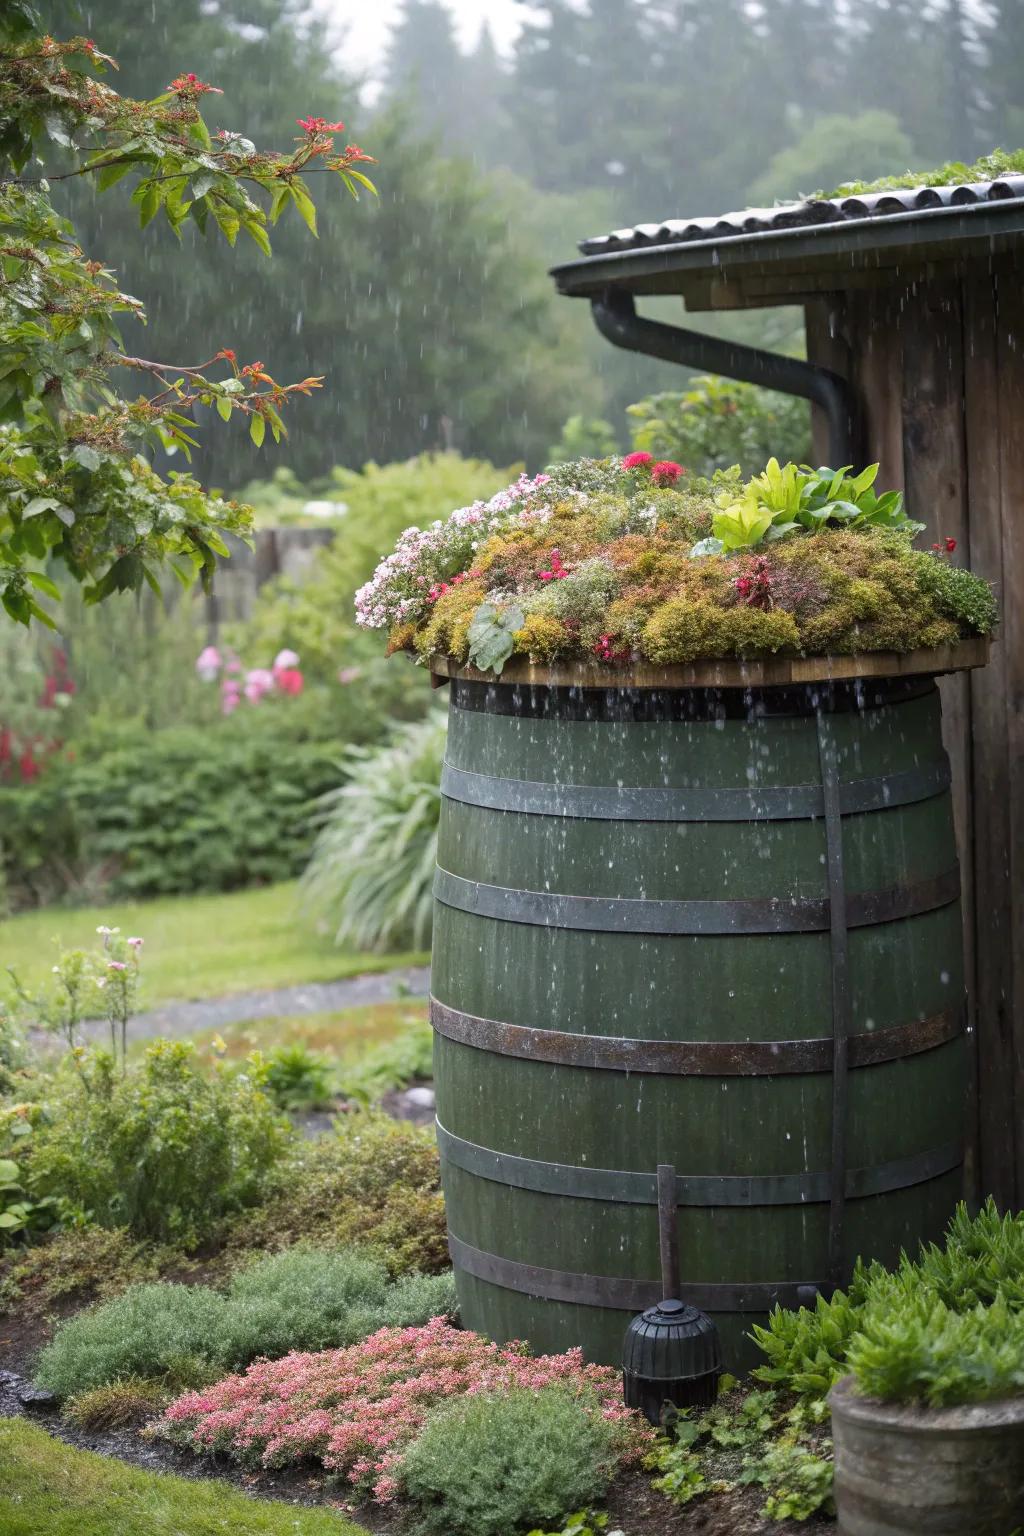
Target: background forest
(430,312)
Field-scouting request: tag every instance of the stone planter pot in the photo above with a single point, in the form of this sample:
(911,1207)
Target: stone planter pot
(903,1470)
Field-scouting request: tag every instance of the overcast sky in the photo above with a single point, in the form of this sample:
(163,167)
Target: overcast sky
(362,28)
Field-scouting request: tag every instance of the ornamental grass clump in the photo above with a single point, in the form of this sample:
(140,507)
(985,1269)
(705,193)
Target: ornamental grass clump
(356,1411)
(619,561)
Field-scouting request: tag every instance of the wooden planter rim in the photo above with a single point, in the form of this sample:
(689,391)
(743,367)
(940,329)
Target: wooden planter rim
(763,672)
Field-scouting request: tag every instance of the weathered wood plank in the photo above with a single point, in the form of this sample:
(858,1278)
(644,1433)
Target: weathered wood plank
(875,333)
(985,405)
(826,324)
(935,481)
(1010,363)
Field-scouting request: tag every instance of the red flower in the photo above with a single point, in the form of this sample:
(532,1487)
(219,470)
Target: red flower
(950,546)
(227,354)
(190,86)
(667,472)
(288,679)
(637,460)
(315,126)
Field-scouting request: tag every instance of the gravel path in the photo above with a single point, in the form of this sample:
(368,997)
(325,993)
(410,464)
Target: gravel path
(174,1020)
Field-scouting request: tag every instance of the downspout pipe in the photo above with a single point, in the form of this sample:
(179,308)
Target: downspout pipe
(616,318)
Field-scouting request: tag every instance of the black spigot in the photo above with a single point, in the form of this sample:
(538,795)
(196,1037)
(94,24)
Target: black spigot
(671,1353)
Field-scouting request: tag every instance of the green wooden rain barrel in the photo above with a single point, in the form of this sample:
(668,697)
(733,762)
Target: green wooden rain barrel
(713,927)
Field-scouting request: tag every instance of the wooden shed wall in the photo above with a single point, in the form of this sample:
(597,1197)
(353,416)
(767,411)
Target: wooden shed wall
(938,368)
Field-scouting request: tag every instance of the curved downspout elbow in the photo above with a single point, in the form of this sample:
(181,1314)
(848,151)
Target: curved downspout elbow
(616,318)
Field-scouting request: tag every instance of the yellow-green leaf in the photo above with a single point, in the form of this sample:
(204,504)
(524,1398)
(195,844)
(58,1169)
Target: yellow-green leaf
(257,429)
(304,203)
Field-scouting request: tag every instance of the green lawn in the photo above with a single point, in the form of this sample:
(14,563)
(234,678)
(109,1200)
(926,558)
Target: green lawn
(48,1489)
(196,946)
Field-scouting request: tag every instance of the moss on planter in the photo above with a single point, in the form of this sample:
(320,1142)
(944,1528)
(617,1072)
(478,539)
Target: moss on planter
(628,561)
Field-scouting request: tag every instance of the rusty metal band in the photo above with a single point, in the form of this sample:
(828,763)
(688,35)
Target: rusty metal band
(621,1186)
(839,945)
(625,1295)
(636,706)
(691,1058)
(617,914)
(616,802)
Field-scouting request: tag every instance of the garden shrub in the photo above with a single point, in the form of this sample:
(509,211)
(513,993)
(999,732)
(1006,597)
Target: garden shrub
(176,811)
(302,1299)
(356,1410)
(370,877)
(717,422)
(77,1265)
(150,1331)
(165,1150)
(376,1183)
(489,1466)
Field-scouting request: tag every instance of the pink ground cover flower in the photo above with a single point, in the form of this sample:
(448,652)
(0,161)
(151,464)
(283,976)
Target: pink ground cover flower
(356,1410)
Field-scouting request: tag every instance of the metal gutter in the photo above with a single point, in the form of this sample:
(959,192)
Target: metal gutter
(842,245)
(616,318)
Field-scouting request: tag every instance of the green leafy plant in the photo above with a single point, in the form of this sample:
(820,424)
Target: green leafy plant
(943,1328)
(391,1064)
(682,1475)
(166,1149)
(375,1183)
(297,1078)
(999,162)
(582,1523)
(302,1299)
(489,1465)
(798,1480)
(73,482)
(784,499)
(914,1348)
(372,868)
(490,636)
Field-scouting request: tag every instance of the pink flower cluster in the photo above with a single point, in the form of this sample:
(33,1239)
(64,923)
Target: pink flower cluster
(556,570)
(355,1410)
(236,683)
(399,591)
